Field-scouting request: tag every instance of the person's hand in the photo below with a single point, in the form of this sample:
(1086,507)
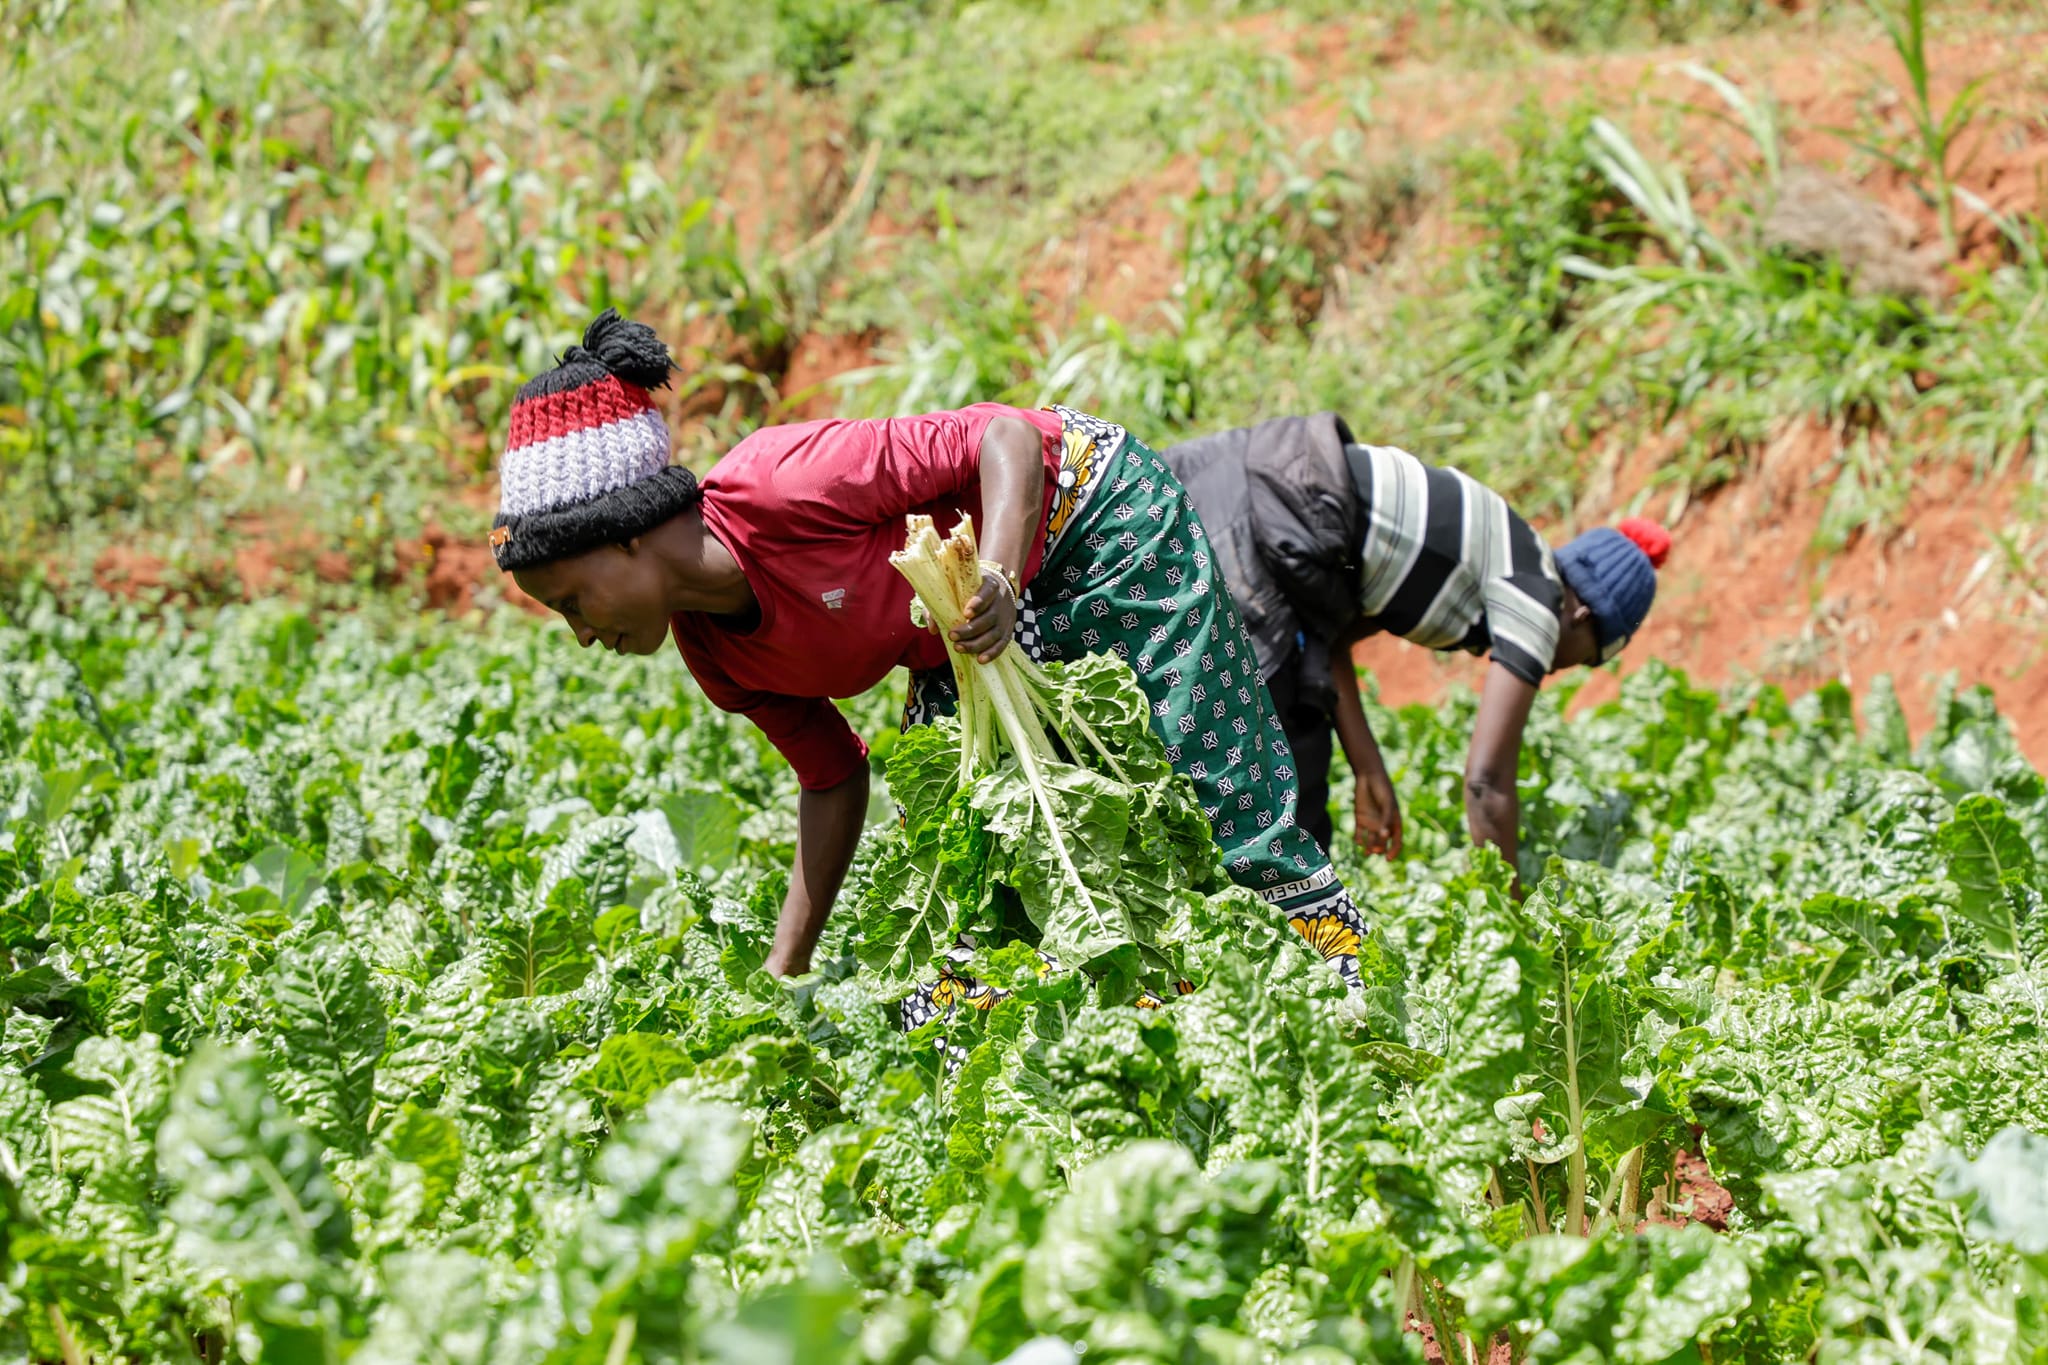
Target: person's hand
(1377,816)
(990,621)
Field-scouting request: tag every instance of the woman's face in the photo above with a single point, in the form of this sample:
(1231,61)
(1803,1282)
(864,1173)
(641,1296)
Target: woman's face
(1578,642)
(614,596)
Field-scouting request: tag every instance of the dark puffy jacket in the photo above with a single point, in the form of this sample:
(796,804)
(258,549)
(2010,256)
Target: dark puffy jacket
(1282,516)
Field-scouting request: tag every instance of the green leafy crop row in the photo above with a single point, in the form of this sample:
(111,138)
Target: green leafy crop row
(385,995)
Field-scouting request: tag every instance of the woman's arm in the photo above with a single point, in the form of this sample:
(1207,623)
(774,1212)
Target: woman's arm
(828,826)
(1376,812)
(1493,811)
(1012,500)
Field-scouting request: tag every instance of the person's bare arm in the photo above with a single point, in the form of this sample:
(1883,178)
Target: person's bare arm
(1493,810)
(828,826)
(1376,812)
(1012,500)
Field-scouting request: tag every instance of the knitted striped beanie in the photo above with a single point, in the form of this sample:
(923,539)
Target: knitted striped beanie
(587,461)
(1613,569)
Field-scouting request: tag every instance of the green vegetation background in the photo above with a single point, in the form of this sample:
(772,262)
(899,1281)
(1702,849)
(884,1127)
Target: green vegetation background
(275,269)
(380,992)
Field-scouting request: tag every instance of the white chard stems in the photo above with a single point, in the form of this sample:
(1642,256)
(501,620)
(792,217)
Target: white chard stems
(1009,699)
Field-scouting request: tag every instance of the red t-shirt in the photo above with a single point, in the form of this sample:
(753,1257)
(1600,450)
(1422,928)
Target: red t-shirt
(812,512)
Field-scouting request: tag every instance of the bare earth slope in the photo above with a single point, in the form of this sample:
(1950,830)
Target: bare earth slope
(1960,584)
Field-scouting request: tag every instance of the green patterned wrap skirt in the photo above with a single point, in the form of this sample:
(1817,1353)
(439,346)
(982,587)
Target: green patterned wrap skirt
(1127,570)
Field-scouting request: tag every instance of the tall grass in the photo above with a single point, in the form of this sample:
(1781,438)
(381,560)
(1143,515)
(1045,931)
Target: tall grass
(1596,303)
(324,240)
(1935,132)
(287,262)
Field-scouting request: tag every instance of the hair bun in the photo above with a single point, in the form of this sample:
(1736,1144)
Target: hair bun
(1652,539)
(628,349)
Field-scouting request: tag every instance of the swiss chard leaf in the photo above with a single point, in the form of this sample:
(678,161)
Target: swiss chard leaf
(254,1204)
(1987,850)
(328,1036)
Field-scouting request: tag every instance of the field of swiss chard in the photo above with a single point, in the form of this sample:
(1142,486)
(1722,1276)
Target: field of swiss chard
(390,993)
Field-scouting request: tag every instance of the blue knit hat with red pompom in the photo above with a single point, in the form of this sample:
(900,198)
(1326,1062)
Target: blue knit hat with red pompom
(1613,569)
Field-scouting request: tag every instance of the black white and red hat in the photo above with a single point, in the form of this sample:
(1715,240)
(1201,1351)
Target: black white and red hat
(587,461)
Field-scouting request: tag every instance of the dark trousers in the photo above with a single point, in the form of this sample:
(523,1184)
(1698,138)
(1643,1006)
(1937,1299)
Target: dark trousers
(1311,733)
